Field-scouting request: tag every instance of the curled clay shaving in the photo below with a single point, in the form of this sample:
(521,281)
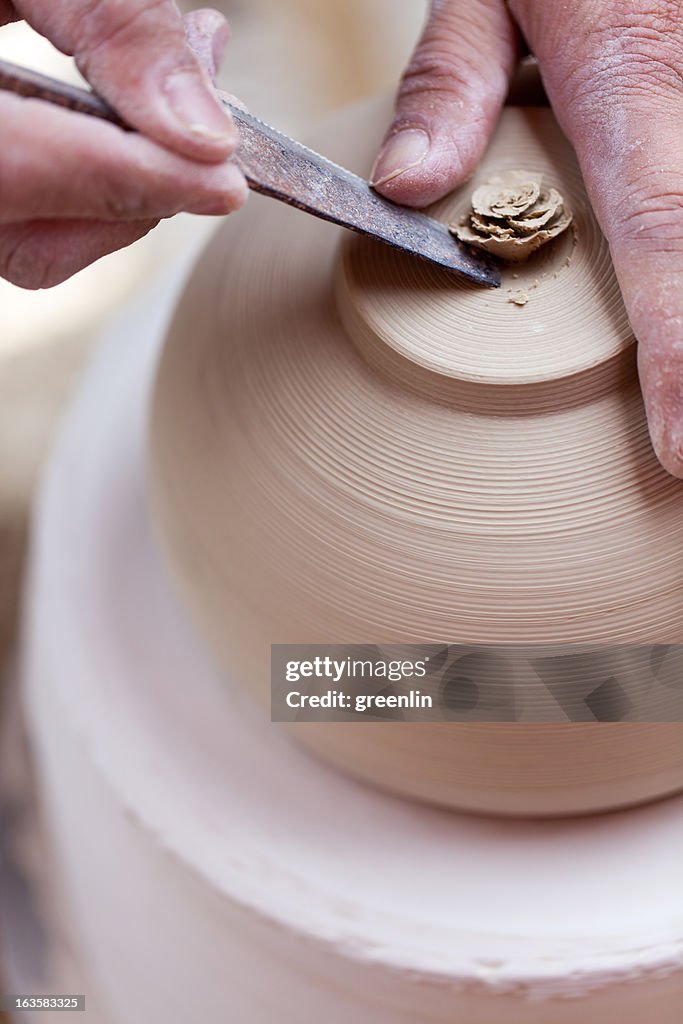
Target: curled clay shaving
(512,215)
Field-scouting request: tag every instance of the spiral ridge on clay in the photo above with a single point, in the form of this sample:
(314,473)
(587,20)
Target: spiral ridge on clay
(349,446)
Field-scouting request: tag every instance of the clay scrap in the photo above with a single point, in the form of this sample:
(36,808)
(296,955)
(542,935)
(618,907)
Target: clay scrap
(512,215)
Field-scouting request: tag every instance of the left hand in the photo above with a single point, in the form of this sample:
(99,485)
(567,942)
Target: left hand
(73,188)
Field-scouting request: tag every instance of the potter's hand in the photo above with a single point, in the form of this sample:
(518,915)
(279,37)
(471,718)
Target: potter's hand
(73,188)
(613,71)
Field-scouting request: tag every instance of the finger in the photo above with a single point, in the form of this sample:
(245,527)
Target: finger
(645,231)
(448,101)
(41,254)
(135,54)
(207,34)
(59,164)
(619,97)
(7,12)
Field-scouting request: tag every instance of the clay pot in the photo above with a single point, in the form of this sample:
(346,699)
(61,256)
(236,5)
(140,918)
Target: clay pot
(349,446)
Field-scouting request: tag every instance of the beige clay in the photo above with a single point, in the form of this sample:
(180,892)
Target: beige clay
(512,215)
(349,446)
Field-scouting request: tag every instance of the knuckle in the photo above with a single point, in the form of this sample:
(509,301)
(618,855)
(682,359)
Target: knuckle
(636,59)
(660,15)
(437,72)
(651,216)
(125,189)
(642,71)
(130,204)
(121,204)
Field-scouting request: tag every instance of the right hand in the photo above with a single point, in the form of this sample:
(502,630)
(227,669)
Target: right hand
(613,71)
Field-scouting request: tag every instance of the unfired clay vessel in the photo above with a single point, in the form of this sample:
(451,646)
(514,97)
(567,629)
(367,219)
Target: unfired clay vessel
(348,446)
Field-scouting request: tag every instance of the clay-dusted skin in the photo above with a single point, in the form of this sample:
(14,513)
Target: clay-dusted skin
(348,446)
(513,214)
(212,870)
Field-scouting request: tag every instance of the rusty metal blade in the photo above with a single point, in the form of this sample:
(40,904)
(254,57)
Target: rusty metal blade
(277,166)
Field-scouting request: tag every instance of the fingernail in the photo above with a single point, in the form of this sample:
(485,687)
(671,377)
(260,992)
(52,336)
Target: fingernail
(197,109)
(229,192)
(401,152)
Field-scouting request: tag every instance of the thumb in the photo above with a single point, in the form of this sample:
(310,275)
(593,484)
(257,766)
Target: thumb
(207,34)
(448,101)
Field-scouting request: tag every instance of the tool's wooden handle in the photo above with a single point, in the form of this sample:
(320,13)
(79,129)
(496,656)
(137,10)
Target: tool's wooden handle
(25,82)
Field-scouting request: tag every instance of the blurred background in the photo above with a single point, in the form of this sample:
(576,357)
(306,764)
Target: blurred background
(291,63)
